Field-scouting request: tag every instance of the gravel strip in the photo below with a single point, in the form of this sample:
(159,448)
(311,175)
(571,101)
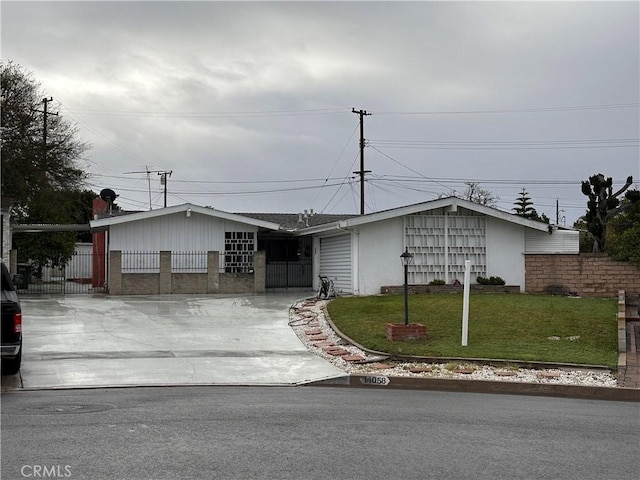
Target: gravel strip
(308,322)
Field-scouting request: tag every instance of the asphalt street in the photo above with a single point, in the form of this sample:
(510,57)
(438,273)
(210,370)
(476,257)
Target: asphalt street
(91,340)
(314,433)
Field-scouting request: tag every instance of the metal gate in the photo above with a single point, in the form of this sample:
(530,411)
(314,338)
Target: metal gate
(288,262)
(76,277)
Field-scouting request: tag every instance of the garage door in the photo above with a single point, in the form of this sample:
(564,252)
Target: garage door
(335,262)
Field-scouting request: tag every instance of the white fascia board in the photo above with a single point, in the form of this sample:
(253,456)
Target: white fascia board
(451,204)
(133,217)
(326,227)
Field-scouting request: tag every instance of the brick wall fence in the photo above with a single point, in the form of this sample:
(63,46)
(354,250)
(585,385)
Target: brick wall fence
(587,274)
(167,282)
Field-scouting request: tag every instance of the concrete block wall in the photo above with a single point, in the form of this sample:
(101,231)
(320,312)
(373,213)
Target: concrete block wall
(139,284)
(474,288)
(236,283)
(167,282)
(589,275)
(186,283)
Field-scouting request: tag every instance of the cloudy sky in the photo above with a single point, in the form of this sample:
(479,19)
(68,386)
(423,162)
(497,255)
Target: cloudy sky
(249,104)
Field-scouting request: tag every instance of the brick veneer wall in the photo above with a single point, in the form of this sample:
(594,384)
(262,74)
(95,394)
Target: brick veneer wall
(587,274)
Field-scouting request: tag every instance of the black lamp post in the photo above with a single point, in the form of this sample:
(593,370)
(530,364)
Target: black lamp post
(406,258)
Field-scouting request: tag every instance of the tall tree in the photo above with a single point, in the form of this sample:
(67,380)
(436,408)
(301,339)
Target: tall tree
(524,208)
(39,165)
(523,204)
(474,193)
(623,232)
(602,206)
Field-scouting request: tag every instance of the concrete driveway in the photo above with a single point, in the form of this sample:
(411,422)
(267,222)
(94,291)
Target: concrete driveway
(89,341)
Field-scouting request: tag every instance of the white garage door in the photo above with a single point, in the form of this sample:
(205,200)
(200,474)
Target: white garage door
(335,261)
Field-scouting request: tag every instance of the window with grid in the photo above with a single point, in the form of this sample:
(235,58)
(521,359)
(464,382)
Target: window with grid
(238,252)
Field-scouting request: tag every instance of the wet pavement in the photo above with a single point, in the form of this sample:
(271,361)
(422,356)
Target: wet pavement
(93,341)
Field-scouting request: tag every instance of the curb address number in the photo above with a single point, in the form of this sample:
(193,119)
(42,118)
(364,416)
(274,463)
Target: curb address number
(370,380)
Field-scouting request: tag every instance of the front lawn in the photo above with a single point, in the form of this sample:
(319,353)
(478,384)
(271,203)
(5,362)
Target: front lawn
(514,327)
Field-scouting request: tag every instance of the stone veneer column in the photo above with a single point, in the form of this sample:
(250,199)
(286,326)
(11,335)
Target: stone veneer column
(165,272)
(114,286)
(259,271)
(213,272)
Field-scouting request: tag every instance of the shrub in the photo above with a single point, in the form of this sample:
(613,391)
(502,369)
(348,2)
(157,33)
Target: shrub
(437,282)
(490,281)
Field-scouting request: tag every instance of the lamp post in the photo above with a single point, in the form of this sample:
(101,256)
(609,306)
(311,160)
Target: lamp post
(406,259)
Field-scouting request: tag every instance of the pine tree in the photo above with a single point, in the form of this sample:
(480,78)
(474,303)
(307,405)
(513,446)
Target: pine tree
(524,208)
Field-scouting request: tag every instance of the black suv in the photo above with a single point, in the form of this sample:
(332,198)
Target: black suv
(11,353)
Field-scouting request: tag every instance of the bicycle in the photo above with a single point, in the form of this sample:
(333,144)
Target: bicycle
(326,287)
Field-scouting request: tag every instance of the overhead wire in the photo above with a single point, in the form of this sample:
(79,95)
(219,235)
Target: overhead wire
(345,180)
(515,110)
(246,114)
(344,148)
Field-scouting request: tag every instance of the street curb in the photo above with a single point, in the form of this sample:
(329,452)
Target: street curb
(483,386)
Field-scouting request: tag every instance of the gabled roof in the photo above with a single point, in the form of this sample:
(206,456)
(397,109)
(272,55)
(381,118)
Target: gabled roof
(184,208)
(449,203)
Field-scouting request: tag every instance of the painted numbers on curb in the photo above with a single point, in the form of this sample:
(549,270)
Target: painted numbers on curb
(371,380)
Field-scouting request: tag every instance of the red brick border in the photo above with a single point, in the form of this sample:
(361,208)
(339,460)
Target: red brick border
(399,332)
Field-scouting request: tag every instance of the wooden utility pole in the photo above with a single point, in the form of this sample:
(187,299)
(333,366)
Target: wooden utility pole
(44,128)
(362,171)
(163,181)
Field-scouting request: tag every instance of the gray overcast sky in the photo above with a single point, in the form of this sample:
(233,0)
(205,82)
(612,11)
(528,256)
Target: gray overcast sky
(249,103)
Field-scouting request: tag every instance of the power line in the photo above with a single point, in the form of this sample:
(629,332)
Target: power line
(517,110)
(508,145)
(336,163)
(174,114)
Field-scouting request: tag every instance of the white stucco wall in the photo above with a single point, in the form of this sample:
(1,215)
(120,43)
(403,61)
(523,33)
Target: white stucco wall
(175,232)
(378,248)
(505,251)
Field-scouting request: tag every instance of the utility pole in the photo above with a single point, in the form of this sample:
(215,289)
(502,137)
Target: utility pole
(558,211)
(163,181)
(362,171)
(44,129)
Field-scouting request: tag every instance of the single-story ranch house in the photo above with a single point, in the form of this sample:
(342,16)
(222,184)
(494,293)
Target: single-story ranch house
(193,249)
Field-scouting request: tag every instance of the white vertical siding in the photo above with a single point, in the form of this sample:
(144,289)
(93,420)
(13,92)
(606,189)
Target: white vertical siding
(559,241)
(175,232)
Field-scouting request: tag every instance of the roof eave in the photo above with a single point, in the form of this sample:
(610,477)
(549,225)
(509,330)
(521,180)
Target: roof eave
(108,221)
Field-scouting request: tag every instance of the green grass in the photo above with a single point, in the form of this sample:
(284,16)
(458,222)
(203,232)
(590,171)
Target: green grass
(513,327)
